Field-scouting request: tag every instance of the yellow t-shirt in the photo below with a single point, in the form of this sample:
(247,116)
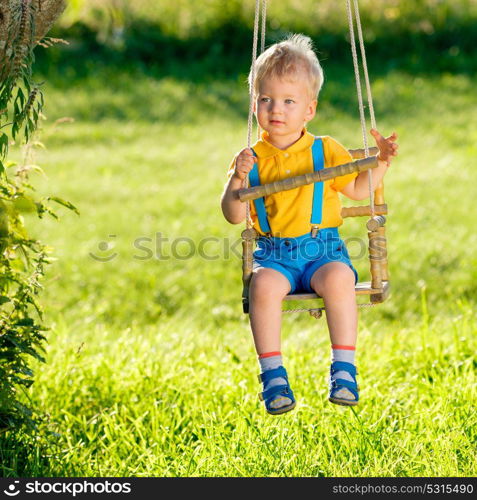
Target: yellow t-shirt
(289,212)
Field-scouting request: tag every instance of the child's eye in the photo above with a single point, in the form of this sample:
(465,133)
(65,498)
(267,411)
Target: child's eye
(289,101)
(265,99)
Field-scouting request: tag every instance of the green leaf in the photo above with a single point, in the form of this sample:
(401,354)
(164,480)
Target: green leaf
(26,82)
(38,169)
(25,322)
(21,95)
(39,144)
(65,203)
(4,299)
(24,204)
(3,145)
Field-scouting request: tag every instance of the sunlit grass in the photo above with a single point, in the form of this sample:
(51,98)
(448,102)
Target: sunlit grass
(151,368)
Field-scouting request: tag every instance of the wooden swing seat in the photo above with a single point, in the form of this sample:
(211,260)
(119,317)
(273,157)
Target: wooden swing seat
(379,274)
(364,159)
(363,288)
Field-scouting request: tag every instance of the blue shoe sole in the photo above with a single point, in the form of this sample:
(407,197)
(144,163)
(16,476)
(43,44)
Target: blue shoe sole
(281,410)
(343,402)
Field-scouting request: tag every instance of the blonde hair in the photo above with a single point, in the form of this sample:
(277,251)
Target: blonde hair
(287,58)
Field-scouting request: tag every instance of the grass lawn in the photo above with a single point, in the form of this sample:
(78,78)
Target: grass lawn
(150,363)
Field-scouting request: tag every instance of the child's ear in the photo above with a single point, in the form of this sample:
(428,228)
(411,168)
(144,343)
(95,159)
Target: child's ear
(312,110)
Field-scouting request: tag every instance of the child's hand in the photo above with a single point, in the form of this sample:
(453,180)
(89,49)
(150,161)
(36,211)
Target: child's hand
(244,163)
(387,146)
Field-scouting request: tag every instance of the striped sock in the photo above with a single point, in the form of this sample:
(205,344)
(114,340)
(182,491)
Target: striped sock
(270,361)
(344,353)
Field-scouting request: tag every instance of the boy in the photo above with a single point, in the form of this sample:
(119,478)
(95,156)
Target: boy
(296,250)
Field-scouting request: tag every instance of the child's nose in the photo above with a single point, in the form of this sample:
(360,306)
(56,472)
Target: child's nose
(276,107)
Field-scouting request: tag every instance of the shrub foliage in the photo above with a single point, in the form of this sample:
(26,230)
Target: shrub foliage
(22,259)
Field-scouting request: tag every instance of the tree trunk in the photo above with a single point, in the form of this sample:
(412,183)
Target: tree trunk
(45,13)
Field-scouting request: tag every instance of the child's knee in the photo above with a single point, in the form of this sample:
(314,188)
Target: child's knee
(336,278)
(268,284)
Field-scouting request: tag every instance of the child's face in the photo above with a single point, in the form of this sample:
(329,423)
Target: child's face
(284,105)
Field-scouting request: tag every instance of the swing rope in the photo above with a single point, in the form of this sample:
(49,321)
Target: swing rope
(359,89)
(251,87)
(264,24)
(252,74)
(262,45)
(365,65)
(317,312)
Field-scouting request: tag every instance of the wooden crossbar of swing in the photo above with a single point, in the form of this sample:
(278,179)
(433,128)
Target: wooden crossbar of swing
(361,164)
(363,211)
(363,288)
(252,193)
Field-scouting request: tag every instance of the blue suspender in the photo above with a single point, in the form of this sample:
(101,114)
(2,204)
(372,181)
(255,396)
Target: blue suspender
(317,205)
(318,164)
(254,180)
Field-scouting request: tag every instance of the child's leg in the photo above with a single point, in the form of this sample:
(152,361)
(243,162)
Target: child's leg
(335,282)
(268,287)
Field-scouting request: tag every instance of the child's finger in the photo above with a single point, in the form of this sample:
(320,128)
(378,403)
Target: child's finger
(376,134)
(393,137)
(249,159)
(248,162)
(247,167)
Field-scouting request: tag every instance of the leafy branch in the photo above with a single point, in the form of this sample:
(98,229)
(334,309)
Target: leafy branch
(22,259)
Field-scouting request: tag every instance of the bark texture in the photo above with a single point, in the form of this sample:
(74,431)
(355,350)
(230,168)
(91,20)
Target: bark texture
(45,14)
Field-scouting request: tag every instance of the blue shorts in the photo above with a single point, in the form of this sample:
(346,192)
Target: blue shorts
(298,258)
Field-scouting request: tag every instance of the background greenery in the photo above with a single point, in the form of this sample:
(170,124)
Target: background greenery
(150,364)
(196,39)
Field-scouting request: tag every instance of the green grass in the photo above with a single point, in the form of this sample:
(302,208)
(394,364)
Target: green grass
(151,369)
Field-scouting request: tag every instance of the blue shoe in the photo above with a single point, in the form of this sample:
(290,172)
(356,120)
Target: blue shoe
(276,393)
(337,394)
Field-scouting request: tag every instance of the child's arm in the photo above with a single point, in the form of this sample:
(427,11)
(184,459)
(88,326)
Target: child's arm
(233,209)
(359,188)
